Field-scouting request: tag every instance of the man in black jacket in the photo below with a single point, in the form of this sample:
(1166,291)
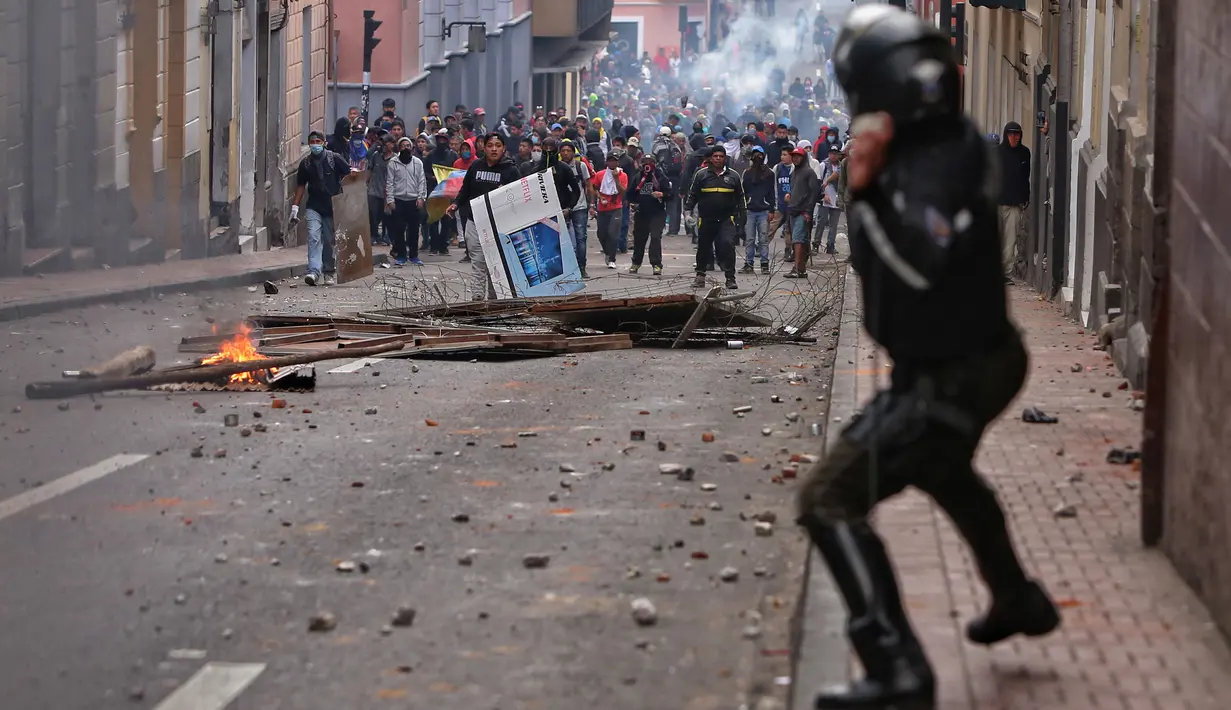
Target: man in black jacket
(484,175)
(568,187)
(758,181)
(441,233)
(718,197)
(320,178)
(1014,192)
(781,141)
(650,194)
(923,242)
(805,191)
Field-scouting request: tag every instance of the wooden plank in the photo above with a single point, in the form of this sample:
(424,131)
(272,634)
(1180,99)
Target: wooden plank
(260,320)
(695,319)
(613,303)
(292,329)
(596,343)
(579,306)
(312,337)
(534,341)
(352,229)
(479,338)
(379,340)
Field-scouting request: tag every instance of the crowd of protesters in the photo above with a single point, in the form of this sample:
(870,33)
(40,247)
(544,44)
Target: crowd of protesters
(654,149)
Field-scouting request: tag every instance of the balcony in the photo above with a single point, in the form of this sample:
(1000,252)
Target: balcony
(570,18)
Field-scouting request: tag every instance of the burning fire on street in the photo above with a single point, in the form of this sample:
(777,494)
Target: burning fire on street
(240,349)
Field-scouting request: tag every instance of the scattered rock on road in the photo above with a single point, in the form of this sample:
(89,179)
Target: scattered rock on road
(345,566)
(764,529)
(1064,510)
(709,487)
(535,560)
(403,617)
(728,574)
(670,469)
(730,457)
(567,468)
(370,411)
(322,622)
(461,518)
(644,612)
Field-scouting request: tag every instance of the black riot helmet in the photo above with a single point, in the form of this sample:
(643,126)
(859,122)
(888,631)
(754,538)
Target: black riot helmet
(887,59)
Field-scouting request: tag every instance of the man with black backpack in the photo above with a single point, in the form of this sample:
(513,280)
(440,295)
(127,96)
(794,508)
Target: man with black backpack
(669,158)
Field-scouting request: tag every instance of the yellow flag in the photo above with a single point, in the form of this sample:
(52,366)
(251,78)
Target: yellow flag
(442,172)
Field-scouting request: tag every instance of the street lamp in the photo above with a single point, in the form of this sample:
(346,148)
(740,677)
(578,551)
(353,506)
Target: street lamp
(476,34)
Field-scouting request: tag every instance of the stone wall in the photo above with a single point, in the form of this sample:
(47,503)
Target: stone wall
(1196,478)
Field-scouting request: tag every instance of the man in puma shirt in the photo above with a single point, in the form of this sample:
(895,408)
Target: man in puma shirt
(483,176)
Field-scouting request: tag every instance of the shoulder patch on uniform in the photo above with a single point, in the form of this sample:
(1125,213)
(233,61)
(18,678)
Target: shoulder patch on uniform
(939,228)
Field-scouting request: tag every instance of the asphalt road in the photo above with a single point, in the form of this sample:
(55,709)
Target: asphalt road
(136,575)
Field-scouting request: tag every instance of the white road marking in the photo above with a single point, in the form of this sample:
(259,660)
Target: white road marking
(355,365)
(63,485)
(213,687)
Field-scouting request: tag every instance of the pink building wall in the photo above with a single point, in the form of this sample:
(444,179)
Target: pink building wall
(659,21)
(396,58)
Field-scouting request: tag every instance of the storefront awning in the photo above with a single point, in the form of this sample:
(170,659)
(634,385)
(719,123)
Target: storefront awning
(999,4)
(576,58)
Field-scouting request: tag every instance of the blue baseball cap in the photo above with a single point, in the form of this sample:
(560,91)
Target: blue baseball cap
(556,126)
(758,149)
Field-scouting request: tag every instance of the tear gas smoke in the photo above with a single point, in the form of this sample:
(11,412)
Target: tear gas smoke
(757,48)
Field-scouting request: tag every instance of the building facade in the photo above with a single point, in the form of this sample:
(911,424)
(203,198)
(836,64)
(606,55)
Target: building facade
(416,62)
(138,131)
(1130,229)
(654,25)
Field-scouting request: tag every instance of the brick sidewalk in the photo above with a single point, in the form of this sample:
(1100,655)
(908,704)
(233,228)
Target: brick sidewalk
(1134,635)
(25,296)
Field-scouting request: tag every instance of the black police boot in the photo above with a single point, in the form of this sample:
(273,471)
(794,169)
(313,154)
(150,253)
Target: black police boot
(897,672)
(1027,610)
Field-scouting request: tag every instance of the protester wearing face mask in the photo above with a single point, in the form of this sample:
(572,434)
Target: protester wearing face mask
(405,190)
(651,194)
(759,185)
(568,189)
(320,177)
(465,156)
(610,185)
(378,170)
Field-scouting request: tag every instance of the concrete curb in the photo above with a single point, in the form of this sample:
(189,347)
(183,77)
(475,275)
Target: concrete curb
(19,310)
(823,654)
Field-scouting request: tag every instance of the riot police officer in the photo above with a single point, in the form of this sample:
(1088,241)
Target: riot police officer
(925,242)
